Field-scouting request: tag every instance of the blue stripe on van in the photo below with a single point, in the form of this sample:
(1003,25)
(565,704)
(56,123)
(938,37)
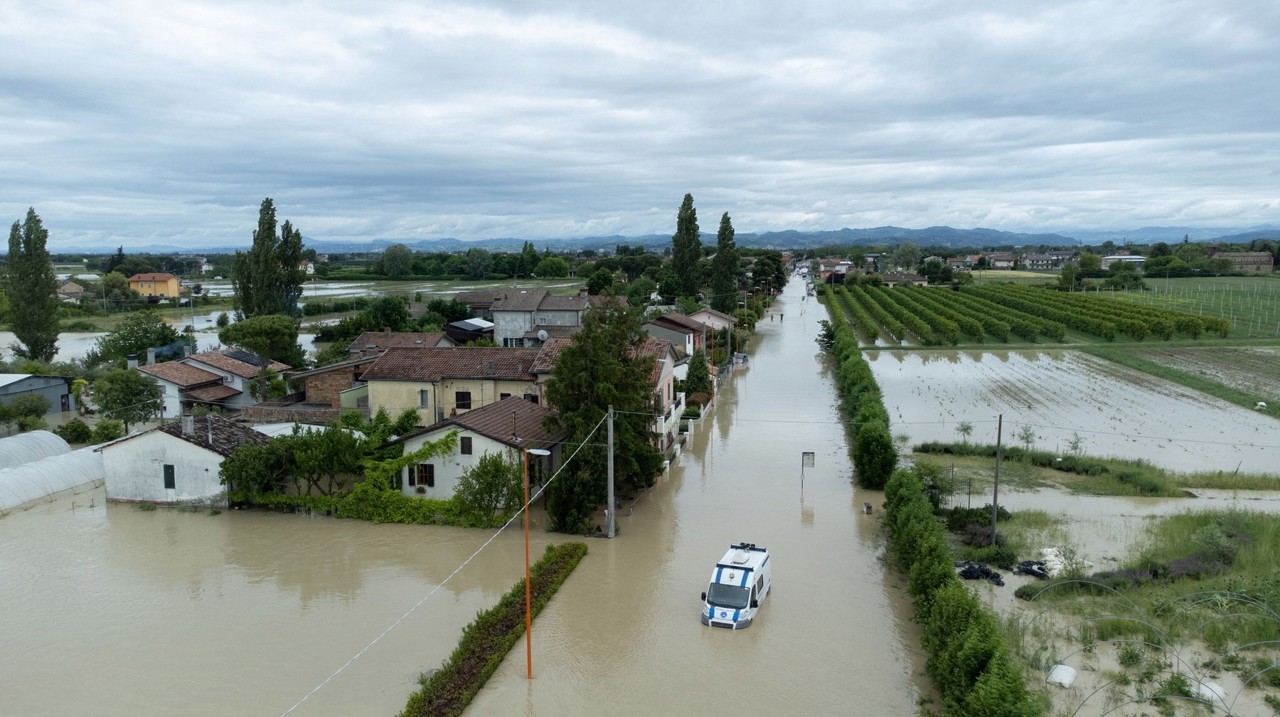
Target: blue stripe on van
(745,574)
(719,570)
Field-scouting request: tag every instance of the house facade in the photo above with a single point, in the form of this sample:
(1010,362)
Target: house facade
(1248,262)
(527,317)
(505,428)
(221,378)
(442,383)
(177,463)
(712,319)
(685,334)
(667,403)
(156,284)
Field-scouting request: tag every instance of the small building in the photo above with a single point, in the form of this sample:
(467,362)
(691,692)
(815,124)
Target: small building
(467,330)
(156,284)
(528,317)
(712,319)
(1040,262)
(505,428)
(894,278)
(1001,260)
(685,334)
(177,463)
(184,385)
(237,369)
(56,389)
(70,292)
(1134,259)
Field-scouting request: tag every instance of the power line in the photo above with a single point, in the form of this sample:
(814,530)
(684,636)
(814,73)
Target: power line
(437,588)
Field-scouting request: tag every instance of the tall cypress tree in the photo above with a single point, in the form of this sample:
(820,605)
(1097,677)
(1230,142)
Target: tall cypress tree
(724,269)
(686,248)
(268,278)
(32,291)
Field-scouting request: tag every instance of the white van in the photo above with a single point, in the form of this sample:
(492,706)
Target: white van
(739,583)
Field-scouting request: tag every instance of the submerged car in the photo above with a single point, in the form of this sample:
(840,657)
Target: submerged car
(740,582)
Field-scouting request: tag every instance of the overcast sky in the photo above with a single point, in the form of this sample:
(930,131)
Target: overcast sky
(141,123)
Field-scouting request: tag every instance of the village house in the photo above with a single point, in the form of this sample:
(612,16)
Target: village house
(70,292)
(177,463)
(894,278)
(505,428)
(712,319)
(214,378)
(159,285)
(685,334)
(1000,260)
(528,317)
(1040,262)
(668,405)
(318,396)
(442,383)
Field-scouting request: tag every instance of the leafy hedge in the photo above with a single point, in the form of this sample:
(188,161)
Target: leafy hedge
(488,639)
(969,661)
(874,455)
(365,502)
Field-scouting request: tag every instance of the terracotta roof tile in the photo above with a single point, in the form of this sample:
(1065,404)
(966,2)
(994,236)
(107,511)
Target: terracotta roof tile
(215,433)
(220,360)
(184,375)
(387,339)
(154,276)
(508,418)
(433,364)
(547,355)
(522,300)
(213,393)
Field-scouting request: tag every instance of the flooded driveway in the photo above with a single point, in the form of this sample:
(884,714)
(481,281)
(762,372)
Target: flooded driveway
(122,612)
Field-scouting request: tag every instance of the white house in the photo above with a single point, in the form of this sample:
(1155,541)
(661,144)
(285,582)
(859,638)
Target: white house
(505,428)
(713,319)
(177,463)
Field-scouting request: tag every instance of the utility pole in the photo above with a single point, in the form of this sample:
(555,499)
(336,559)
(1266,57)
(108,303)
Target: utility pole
(995,491)
(612,510)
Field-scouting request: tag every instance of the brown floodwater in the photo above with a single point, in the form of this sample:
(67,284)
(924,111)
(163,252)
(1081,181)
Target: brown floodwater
(116,611)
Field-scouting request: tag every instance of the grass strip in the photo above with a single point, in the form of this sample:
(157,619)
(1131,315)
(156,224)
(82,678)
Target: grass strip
(488,639)
(1203,385)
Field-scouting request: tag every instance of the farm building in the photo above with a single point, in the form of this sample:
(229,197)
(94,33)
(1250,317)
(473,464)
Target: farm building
(177,463)
(57,389)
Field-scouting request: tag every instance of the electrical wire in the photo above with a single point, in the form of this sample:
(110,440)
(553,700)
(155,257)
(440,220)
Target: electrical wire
(437,588)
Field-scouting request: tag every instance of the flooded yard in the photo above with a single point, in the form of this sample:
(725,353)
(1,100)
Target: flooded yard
(1062,394)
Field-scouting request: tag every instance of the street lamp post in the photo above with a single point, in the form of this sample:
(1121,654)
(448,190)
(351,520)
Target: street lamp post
(528,602)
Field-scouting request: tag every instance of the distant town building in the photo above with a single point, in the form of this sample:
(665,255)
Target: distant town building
(156,284)
(1246,262)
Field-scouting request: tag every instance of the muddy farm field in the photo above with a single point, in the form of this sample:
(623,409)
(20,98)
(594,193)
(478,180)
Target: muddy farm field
(1064,394)
(1255,370)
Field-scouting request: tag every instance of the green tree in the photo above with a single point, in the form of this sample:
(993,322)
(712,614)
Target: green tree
(552,267)
(1027,435)
(639,291)
(491,490)
(965,429)
(479,263)
(135,333)
(31,290)
(601,367)
(397,261)
(905,256)
(29,405)
(1090,264)
(268,278)
(324,460)
(388,312)
(698,380)
(686,248)
(600,281)
(272,337)
(724,269)
(528,262)
(127,395)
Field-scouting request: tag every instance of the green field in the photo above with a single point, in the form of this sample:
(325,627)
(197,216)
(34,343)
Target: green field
(1251,303)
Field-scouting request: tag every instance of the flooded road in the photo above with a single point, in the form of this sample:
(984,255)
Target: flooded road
(117,611)
(623,636)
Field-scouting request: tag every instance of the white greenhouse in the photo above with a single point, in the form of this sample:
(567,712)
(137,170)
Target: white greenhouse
(31,446)
(42,478)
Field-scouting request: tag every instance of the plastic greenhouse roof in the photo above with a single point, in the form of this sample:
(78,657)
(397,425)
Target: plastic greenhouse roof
(39,479)
(28,447)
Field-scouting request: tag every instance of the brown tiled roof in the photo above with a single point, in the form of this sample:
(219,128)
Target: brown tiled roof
(522,300)
(718,314)
(480,298)
(219,359)
(154,276)
(215,433)
(655,349)
(508,418)
(388,339)
(554,302)
(678,322)
(183,374)
(547,355)
(433,364)
(213,393)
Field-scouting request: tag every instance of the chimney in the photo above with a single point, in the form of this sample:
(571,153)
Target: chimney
(188,425)
(151,356)
(133,360)
(186,350)
(209,424)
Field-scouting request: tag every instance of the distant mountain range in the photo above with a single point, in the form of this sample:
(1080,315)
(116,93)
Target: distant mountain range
(943,236)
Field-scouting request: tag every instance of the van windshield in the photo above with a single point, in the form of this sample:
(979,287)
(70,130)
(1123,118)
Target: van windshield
(727,596)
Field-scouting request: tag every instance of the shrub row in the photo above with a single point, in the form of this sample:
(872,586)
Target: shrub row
(1162,323)
(315,307)
(915,324)
(969,325)
(890,324)
(365,501)
(862,320)
(969,661)
(942,330)
(867,422)
(488,639)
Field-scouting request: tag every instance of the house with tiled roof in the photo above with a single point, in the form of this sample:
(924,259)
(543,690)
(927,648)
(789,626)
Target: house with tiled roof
(528,317)
(505,428)
(215,378)
(685,334)
(442,383)
(668,405)
(156,284)
(712,319)
(177,463)
(373,343)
